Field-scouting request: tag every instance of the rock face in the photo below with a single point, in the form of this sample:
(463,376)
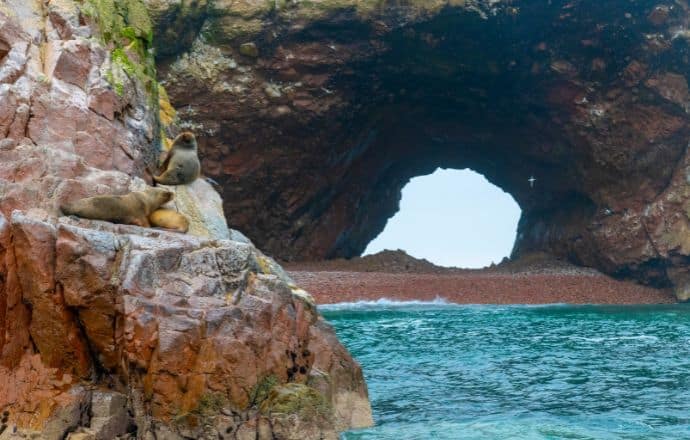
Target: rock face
(316,114)
(115,331)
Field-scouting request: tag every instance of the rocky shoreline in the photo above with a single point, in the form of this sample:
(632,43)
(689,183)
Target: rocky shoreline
(116,331)
(536,279)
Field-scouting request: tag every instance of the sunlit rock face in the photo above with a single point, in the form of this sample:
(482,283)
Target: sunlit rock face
(116,331)
(316,114)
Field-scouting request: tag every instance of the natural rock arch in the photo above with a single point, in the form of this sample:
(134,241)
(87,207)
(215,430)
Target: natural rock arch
(314,131)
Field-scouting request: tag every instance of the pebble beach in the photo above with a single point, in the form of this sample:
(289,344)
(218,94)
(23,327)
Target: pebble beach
(533,280)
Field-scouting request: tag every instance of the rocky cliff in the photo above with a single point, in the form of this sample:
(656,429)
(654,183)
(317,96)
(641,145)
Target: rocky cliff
(113,331)
(323,110)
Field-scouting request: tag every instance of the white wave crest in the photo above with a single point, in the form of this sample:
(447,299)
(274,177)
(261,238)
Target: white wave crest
(383,303)
(618,338)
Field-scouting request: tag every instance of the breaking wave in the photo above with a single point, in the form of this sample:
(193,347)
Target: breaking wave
(383,303)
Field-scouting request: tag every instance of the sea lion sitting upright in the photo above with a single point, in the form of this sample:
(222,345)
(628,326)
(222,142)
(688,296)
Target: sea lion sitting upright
(132,209)
(182,162)
(169,219)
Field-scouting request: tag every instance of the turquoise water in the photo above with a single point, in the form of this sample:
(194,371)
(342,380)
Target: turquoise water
(522,372)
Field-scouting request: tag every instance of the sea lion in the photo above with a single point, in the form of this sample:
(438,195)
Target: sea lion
(133,208)
(181,163)
(169,219)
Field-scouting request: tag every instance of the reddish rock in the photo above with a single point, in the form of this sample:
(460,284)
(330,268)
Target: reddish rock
(111,330)
(54,328)
(634,73)
(672,87)
(68,61)
(659,15)
(342,383)
(104,101)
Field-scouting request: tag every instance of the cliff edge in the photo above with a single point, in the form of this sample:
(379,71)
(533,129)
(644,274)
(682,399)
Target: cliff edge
(115,331)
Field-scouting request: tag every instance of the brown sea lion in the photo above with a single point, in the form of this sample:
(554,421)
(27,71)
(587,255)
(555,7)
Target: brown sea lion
(169,219)
(181,163)
(132,209)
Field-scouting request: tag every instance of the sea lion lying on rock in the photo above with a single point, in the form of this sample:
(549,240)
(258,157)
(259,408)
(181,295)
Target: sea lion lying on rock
(181,163)
(169,219)
(132,209)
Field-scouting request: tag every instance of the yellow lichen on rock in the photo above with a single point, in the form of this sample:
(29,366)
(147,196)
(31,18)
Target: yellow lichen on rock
(303,295)
(264,265)
(298,399)
(167,113)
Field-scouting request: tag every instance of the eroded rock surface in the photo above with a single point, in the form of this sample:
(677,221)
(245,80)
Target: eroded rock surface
(115,331)
(190,329)
(317,113)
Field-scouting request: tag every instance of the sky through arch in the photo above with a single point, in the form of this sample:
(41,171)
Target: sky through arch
(452,218)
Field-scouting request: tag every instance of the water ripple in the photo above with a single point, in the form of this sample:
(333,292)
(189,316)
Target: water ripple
(439,371)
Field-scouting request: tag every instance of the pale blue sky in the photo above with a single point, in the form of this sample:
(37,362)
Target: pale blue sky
(452,218)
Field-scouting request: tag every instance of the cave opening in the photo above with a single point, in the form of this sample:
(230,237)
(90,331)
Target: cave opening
(452,218)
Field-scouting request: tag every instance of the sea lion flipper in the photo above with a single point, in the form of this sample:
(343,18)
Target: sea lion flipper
(164,159)
(163,178)
(137,221)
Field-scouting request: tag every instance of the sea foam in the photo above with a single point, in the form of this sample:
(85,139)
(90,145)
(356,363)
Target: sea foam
(383,303)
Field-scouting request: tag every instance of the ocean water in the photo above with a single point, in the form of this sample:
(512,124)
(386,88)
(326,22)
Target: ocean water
(438,371)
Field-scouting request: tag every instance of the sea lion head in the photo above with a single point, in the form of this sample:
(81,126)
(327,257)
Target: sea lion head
(186,140)
(159,196)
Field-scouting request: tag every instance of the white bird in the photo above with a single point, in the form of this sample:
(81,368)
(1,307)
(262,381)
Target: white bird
(531,181)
